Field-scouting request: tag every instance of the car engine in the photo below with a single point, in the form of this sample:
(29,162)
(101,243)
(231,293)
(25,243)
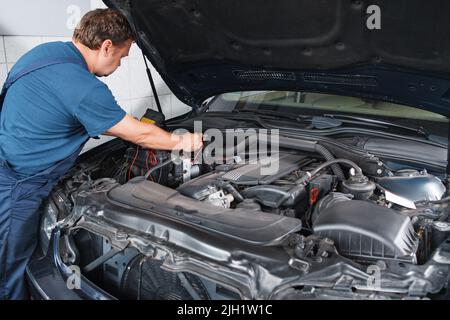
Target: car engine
(368,218)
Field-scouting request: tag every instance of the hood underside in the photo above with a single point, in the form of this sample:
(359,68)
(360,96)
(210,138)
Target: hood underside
(205,47)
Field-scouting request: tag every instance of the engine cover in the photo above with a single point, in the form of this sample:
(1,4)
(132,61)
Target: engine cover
(365,230)
(265,171)
(257,176)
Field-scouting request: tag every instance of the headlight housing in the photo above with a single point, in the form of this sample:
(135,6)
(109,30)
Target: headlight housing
(49,221)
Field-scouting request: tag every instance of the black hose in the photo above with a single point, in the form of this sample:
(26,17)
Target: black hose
(311,146)
(232,190)
(322,166)
(427,202)
(253,192)
(337,170)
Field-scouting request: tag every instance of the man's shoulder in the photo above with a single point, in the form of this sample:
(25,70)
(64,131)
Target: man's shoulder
(45,52)
(51,45)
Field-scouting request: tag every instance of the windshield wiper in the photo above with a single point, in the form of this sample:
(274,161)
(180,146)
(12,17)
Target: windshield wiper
(270,113)
(335,121)
(370,122)
(322,123)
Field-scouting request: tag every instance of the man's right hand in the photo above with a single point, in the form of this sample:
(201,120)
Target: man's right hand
(191,141)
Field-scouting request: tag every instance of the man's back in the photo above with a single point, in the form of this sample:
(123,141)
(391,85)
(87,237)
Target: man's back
(48,114)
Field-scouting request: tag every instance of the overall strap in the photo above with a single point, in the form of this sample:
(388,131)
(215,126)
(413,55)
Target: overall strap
(34,67)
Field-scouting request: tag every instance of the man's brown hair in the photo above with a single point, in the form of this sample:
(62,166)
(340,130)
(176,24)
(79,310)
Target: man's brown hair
(102,24)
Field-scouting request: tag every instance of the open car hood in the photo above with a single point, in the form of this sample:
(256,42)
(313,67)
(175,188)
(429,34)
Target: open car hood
(203,48)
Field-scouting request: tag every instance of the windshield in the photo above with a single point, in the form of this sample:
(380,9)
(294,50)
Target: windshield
(307,103)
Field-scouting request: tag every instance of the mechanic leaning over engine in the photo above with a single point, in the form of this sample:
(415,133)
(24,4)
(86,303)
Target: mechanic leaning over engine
(52,102)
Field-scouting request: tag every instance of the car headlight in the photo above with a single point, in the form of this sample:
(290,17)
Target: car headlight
(49,221)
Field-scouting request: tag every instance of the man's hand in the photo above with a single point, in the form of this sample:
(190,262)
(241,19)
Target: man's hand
(191,142)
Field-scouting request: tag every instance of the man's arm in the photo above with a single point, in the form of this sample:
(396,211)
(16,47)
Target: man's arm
(150,136)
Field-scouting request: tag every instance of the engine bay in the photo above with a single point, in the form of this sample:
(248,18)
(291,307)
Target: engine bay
(309,203)
(368,218)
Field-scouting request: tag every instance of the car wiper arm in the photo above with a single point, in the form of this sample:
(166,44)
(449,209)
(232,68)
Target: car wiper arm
(270,113)
(327,122)
(340,119)
(419,130)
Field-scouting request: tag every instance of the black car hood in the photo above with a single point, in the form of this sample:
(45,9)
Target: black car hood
(205,47)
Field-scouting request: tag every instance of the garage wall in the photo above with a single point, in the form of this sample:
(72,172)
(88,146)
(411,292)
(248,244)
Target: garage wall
(129,83)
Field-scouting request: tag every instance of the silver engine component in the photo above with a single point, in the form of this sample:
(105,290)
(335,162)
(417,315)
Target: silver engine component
(219,199)
(190,171)
(414,185)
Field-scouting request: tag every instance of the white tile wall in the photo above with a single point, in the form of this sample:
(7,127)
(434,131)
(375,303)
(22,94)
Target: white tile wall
(126,105)
(161,86)
(9,66)
(97,4)
(135,52)
(53,39)
(3,74)
(139,106)
(16,46)
(119,81)
(166,104)
(139,84)
(2,51)
(178,107)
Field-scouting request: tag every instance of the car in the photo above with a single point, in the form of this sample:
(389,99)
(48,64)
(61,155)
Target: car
(324,173)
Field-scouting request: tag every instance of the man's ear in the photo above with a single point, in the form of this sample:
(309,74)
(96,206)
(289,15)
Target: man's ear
(106,47)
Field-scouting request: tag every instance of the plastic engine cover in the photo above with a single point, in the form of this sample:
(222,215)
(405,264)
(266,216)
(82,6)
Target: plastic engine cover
(366,231)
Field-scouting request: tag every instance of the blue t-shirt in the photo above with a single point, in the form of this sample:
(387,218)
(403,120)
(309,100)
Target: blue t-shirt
(48,114)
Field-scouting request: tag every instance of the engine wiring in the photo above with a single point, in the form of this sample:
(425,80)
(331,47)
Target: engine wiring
(133,162)
(150,162)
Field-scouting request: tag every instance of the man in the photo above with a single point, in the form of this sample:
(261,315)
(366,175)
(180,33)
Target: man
(53,103)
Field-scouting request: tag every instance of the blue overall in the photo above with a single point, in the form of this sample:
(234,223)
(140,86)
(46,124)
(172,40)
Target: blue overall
(20,200)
